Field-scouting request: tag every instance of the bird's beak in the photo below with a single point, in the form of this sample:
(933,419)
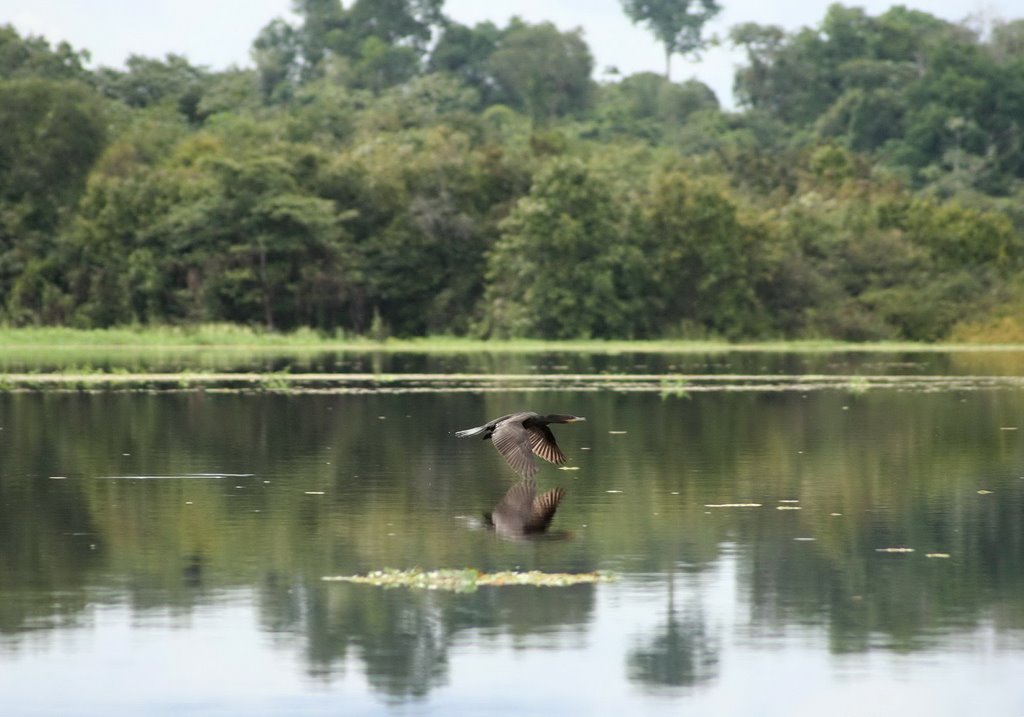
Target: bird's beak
(577,418)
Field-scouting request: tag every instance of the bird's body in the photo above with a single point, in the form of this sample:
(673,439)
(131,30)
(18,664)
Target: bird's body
(522,512)
(519,436)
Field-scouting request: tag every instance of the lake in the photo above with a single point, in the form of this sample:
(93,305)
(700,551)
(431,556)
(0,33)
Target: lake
(851,544)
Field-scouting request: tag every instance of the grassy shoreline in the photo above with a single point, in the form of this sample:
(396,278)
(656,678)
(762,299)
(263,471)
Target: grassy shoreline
(227,337)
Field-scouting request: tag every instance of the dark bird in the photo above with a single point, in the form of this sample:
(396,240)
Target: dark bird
(522,512)
(518,436)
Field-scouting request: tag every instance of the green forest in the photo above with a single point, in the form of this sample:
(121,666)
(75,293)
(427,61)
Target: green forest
(382,170)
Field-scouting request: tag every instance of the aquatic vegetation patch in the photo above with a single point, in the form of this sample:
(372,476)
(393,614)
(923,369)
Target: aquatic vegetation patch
(354,383)
(468,579)
(674,387)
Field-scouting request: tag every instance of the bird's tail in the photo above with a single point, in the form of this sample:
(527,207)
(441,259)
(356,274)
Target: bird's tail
(470,432)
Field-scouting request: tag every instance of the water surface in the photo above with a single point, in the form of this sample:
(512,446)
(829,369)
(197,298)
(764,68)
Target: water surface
(162,553)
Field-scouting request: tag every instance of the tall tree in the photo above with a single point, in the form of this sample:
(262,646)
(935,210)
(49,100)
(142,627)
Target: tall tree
(33,57)
(52,133)
(393,21)
(466,52)
(702,258)
(560,269)
(277,52)
(322,21)
(263,242)
(149,82)
(542,70)
(677,24)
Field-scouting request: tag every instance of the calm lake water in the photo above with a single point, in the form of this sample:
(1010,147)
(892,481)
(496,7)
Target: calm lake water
(162,553)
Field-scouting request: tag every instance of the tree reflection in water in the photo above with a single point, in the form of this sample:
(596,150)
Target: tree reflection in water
(678,654)
(403,638)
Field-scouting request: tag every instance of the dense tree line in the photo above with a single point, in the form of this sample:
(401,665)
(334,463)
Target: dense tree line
(382,168)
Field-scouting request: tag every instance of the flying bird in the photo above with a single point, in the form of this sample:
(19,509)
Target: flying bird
(518,436)
(522,512)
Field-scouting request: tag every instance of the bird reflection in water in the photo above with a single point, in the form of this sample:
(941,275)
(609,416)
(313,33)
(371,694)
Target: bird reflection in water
(522,513)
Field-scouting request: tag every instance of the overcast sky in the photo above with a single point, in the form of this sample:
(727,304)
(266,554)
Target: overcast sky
(218,33)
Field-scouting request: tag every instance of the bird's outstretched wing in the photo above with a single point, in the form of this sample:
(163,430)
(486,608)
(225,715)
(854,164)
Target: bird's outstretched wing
(513,442)
(542,442)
